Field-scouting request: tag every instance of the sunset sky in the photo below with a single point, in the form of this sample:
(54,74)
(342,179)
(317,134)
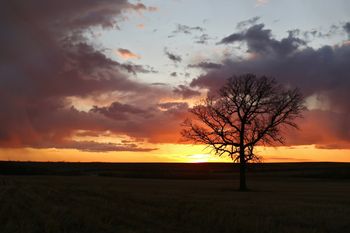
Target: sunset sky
(112,80)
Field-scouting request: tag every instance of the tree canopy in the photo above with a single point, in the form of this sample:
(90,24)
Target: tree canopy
(247,111)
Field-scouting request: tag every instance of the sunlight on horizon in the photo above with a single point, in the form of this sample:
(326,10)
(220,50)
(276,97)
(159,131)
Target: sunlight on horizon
(181,153)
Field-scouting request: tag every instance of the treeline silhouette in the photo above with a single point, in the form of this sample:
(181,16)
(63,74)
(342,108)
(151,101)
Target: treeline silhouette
(326,170)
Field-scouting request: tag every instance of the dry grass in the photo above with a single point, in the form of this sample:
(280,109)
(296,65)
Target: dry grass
(96,204)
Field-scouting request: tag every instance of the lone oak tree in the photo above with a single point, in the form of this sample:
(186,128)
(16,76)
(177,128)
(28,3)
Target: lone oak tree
(247,111)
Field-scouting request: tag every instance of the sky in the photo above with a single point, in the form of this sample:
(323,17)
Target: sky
(112,80)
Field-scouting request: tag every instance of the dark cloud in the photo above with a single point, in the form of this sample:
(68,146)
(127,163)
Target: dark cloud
(347,28)
(173,74)
(180,28)
(65,15)
(52,127)
(175,58)
(260,41)
(159,84)
(46,59)
(203,39)
(135,68)
(185,91)
(156,123)
(309,35)
(121,111)
(206,65)
(249,22)
(322,72)
(212,80)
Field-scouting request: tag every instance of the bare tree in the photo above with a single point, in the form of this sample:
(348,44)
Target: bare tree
(247,111)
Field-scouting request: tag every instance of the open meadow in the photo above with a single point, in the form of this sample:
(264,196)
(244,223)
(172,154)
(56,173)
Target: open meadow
(279,201)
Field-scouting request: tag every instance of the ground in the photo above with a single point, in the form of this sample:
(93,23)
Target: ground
(288,202)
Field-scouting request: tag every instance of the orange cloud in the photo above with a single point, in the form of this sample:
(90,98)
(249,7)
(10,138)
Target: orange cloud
(127,54)
(347,43)
(140,26)
(140,8)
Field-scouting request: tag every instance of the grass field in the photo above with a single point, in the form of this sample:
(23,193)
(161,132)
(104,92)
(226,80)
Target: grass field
(97,198)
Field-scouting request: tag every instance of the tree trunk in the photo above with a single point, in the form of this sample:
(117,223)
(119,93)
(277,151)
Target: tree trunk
(242,170)
(242,162)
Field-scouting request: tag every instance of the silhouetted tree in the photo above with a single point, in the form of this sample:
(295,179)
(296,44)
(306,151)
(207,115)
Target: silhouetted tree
(247,111)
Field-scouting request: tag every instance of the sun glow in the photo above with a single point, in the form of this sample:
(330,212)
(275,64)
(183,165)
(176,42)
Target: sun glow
(199,158)
(183,153)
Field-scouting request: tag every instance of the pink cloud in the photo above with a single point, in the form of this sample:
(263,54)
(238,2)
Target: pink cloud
(127,54)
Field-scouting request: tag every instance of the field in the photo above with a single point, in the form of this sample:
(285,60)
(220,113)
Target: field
(97,197)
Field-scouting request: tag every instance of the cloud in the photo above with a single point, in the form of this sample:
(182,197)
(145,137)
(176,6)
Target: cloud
(249,22)
(203,39)
(173,74)
(173,57)
(334,146)
(185,91)
(206,65)
(260,41)
(159,84)
(319,72)
(324,128)
(92,146)
(127,54)
(141,7)
(135,68)
(309,35)
(188,30)
(180,28)
(173,105)
(155,123)
(122,111)
(347,28)
(66,15)
(46,60)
